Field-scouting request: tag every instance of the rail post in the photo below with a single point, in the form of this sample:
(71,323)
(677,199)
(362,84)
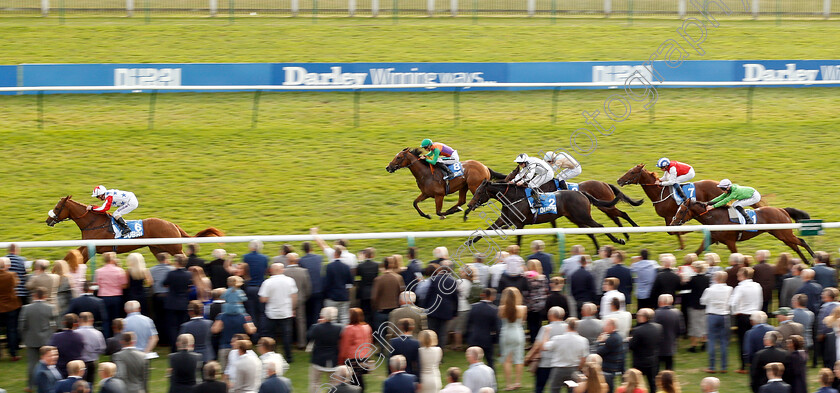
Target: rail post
(255,110)
(652,113)
(750,92)
(40,105)
(231,6)
(456,105)
(395,11)
(148,18)
(91,249)
(356,107)
(152,99)
(826,9)
(410,240)
(214,7)
(351,7)
(374,8)
(453,8)
(45,7)
(61,12)
(553,11)
(129,8)
(554,94)
(561,247)
(707,239)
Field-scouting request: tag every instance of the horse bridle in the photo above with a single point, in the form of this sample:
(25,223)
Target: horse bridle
(70,217)
(662,191)
(688,209)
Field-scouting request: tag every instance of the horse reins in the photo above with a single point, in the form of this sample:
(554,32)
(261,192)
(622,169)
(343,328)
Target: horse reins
(70,217)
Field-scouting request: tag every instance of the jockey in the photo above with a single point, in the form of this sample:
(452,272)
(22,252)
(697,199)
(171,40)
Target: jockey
(124,201)
(441,156)
(675,173)
(742,195)
(533,172)
(570,167)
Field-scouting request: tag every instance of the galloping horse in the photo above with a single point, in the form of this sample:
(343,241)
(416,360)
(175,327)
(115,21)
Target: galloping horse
(763,215)
(431,183)
(96,225)
(662,196)
(600,190)
(573,205)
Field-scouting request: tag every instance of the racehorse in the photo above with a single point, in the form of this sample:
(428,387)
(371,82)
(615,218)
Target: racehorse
(516,209)
(662,196)
(600,190)
(763,215)
(431,182)
(95,225)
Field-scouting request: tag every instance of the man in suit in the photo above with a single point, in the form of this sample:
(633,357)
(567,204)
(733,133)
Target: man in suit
(790,285)
(407,346)
(88,303)
(483,324)
(36,324)
(247,376)
(192,257)
(773,372)
(177,298)
(185,365)
(622,273)
(336,280)
(443,288)
(645,341)
(825,275)
(666,281)
(304,286)
(75,372)
(368,270)
(342,376)
(673,325)
(787,327)
(754,338)
(770,354)
(590,327)
(611,350)
(69,343)
(325,337)
(110,384)
(46,375)
(274,383)
(131,364)
(94,344)
(211,385)
(583,285)
(199,328)
(765,275)
(407,309)
(312,263)
(538,247)
(399,381)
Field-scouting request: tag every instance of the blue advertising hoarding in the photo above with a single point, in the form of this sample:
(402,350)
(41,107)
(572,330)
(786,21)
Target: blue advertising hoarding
(440,74)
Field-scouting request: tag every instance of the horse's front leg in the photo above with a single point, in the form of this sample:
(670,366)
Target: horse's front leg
(419,199)
(462,199)
(439,206)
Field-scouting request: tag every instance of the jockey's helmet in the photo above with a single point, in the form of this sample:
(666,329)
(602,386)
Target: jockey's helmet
(426,142)
(725,184)
(663,162)
(550,156)
(99,190)
(521,158)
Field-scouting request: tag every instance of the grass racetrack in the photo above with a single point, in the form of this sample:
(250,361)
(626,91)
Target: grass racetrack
(305,164)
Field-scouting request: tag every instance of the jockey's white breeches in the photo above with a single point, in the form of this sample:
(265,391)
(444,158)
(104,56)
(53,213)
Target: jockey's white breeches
(127,208)
(567,174)
(680,179)
(755,198)
(451,159)
(539,180)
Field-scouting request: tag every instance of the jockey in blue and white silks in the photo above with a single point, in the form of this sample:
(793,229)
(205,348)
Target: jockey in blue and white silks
(124,201)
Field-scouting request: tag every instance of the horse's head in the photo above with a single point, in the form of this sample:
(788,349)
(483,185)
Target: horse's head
(512,173)
(60,212)
(634,175)
(403,159)
(687,211)
(480,197)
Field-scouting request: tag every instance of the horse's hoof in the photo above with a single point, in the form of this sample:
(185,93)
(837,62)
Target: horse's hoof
(442,217)
(621,241)
(459,208)
(426,216)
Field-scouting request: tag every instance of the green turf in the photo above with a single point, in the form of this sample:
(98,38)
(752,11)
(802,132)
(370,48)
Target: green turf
(306,165)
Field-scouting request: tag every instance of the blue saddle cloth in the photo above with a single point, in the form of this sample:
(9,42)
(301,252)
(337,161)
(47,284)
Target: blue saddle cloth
(548,203)
(734,216)
(457,169)
(688,190)
(571,186)
(136,227)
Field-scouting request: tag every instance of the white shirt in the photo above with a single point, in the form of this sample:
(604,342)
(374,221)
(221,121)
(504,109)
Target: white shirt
(716,299)
(568,349)
(230,369)
(479,375)
(536,173)
(570,266)
(746,297)
(624,322)
(248,375)
(278,289)
(606,302)
(481,272)
(455,387)
(346,256)
(496,273)
(280,363)
(464,287)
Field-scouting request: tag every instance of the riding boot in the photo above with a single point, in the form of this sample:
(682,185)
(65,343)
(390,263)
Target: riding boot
(563,185)
(447,174)
(123,226)
(678,189)
(743,212)
(535,200)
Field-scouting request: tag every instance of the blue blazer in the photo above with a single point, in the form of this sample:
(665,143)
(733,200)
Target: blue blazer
(448,305)
(400,383)
(178,297)
(814,291)
(45,378)
(313,262)
(410,348)
(625,280)
(336,280)
(774,387)
(113,385)
(483,324)
(276,384)
(825,276)
(88,303)
(66,385)
(754,340)
(200,330)
(545,260)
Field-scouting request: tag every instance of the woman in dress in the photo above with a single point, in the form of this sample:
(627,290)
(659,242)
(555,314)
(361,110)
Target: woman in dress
(356,344)
(64,292)
(430,356)
(535,299)
(138,278)
(78,270)
(512,335)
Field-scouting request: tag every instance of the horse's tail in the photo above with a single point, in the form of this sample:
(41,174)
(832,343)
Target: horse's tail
(624,197)
(496,175)
(796,214)
(600,203)
(210,232)
(183,232)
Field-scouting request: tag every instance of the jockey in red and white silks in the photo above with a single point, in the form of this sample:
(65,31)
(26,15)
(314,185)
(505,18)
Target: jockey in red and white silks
(675,173)
(124,201)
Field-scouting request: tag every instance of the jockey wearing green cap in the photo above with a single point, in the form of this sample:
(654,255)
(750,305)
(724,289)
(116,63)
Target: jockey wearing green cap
(440,155)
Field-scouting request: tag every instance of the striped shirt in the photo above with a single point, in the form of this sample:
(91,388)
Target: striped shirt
(18,266)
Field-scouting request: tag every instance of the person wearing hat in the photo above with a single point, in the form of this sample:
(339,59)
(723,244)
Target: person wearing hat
(742,195)
(440,155)
(533,173)
(787,327)
(675,173)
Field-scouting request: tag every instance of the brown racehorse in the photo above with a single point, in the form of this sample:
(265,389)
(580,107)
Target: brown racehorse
(600,190)
(431,182)
(96,225)
(662,198)
(763,215)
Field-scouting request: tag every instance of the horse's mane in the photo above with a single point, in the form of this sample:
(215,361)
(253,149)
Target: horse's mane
(416,151)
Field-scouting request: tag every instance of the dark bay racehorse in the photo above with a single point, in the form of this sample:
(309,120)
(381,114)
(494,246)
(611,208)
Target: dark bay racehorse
(431,183)
(764,215)
(95,225)
(516,209)
(600,190)
(662,197)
